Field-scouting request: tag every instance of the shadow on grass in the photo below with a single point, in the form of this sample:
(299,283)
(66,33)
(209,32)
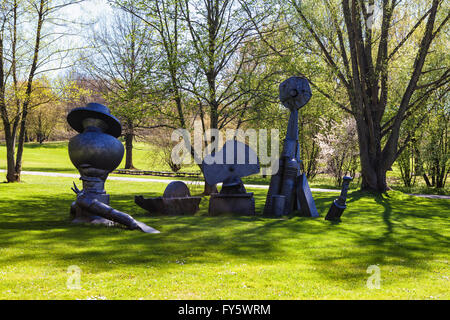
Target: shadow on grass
(398,231)
(374,230)
(43,220)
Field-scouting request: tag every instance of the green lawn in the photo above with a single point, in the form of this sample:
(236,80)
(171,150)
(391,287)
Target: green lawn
(201,257)
(53,156)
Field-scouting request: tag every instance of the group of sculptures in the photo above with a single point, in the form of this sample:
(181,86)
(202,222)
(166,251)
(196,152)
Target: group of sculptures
(96,152)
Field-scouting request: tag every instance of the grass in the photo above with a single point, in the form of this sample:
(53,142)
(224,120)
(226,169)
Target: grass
(53,157)
(226,257)
(202,257)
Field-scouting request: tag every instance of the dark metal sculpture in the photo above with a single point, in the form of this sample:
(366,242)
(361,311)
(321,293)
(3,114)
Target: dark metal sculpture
(176,200)
(289,190)
(96,152)
(229,165)
(339,205)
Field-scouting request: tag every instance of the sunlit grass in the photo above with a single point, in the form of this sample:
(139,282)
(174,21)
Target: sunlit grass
(53,156)
(202,257)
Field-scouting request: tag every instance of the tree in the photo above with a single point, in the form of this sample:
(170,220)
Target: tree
(434,148)
(198,42)
(221,62)
(46,113)
(26,50)
(338,147)
(120,64)
(360,54)
(219,59)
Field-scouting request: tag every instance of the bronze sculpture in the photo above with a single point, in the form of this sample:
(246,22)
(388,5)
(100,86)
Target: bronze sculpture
(289,190)
(176,200)
(338,206)
(96,152)
(229,165)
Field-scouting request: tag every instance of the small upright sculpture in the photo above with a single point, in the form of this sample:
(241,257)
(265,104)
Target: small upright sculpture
(289,190)
(176,200)
(96,152)
(229,165)
(339,205)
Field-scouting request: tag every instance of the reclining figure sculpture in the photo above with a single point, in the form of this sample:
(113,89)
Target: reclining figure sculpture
(176,200)
(96,152)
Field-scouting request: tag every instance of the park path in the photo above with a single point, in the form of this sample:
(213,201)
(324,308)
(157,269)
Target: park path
(77,176)
(258,186)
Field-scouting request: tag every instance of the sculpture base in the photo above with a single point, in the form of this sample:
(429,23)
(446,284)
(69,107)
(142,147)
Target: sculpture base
(302,201)
(94,220)
(306,200)
(169,206)
(79,215)
(241,204)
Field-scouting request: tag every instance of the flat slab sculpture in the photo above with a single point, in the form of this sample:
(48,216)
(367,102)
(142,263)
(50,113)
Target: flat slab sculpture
(289,190)
(96,152)
(338,206)
(234,161)
(176,200)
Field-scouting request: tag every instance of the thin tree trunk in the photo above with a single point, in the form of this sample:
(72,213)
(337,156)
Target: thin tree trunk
(11,174)
(26,103)
(129,151)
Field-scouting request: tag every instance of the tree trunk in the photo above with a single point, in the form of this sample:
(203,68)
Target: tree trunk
(129,151)
(11,174)
(21,139)
(27,136)
(373,162)
(373,177)
(208,188)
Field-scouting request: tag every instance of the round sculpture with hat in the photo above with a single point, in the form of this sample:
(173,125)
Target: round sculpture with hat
(97,145)
(97,111)
(96,152)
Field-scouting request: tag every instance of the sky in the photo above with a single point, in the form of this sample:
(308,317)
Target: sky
(88,11)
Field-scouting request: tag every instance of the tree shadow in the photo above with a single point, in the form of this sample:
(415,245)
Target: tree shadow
(383,200)
(386,235)
(374,230)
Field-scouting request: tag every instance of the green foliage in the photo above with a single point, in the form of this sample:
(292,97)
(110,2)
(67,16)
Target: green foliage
(407,165)
(436,144)
(338,145)
(427,148)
